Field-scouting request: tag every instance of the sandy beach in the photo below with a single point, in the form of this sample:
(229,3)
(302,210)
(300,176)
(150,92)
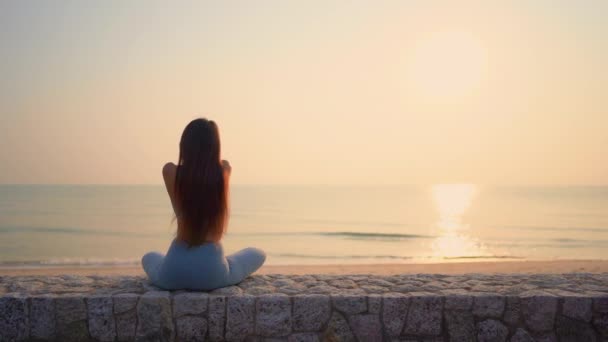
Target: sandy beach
(554,266)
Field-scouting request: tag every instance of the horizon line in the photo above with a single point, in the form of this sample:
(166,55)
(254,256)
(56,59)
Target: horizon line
(321,184)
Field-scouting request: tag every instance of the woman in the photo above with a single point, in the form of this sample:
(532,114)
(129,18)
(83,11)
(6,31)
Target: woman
(198,189)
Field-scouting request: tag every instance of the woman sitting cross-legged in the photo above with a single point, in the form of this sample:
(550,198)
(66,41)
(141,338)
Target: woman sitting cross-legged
(198,189)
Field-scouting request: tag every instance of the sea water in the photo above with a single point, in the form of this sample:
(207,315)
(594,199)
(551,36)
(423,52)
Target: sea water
(47,225)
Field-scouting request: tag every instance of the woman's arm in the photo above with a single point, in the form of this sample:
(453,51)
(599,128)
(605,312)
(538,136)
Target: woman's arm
(169,171)
(227,171)
(227,168)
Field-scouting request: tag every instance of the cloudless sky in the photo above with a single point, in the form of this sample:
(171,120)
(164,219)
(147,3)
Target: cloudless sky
(322,92)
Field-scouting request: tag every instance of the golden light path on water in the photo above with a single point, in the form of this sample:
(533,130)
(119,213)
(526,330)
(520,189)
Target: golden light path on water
(452,201)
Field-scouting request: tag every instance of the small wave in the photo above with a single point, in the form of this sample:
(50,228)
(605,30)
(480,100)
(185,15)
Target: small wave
(348,235)
(71,262)
(308,256)
(483,257)
(367,235)
(544,228)
(70,230)
(352,223)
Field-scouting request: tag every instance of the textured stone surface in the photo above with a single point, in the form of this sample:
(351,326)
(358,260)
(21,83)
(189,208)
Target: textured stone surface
(512,315)
(491,331)
(374,303)
(349,304)
(240,311)
(488,305)
(216,317)
(521,335)
(394,311)
(568,329)
(71,316)
(589,284)
(458,300)
(310,312)
(577,308)
(190,303)
(273,315)
(600,322)
(13,318)
(154,317)
(600,302)
(338,329)
(42,317)
(303,337)
(417,307)
(101,318)
(125,315)
(425,315)
(460,325)
(539,311)
(191,328)
(366,327)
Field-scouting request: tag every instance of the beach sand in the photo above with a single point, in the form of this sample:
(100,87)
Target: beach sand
(554,266)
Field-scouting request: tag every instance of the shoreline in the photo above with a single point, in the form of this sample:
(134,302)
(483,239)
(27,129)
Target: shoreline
(508,267)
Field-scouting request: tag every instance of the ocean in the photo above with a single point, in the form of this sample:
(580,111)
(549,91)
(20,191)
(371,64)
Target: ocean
(51,225)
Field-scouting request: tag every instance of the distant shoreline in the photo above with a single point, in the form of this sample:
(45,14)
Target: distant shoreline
(531,267)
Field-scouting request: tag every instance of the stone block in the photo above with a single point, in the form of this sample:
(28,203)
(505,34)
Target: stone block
(577,308)
(71,316)
(460,325)
(425,315)
(349,304)
(42,317)
(521,335)
(546,337)
(491,331)
(240,311)
(338,329)
(394,312)
(273,315)
(488,305)
(571,330)
(191,328)
(366,327)
(539,312)
(190,303)
(512,315)
(310,312)
(154,318)
(458,302)
(600,322)
(216,317)
(14,322)
(374,303)
(600,303)
(125,315)
(101,318)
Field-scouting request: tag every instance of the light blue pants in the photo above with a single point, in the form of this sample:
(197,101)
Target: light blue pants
(202,267)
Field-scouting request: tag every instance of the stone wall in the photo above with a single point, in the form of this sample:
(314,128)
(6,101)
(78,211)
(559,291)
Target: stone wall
(569,307)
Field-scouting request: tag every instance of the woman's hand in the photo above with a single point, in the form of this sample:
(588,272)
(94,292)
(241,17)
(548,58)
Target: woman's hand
(226,166)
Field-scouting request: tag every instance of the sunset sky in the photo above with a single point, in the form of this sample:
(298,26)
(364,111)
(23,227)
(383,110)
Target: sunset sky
(307,92)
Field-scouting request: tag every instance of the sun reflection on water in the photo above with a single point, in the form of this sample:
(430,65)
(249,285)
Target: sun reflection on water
(452,201)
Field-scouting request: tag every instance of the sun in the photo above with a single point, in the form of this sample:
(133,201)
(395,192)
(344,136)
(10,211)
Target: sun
(448,64)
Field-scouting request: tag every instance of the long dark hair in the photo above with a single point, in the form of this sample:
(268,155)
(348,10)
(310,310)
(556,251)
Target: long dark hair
(200,187)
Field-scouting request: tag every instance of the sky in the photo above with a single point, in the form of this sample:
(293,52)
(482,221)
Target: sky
(307,92)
